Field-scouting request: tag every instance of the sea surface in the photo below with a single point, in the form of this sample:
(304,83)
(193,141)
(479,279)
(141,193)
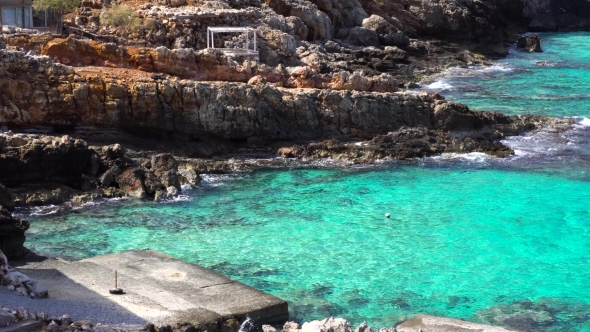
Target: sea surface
(501,241)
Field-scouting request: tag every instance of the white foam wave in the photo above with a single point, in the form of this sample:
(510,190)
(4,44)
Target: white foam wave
(585,122)
(179,198)
(495,68)
(440,85)
(476,157)
(43,210)
(216,180)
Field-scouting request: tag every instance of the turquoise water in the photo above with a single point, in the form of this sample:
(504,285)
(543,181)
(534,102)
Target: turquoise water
(554,83)
(502,241)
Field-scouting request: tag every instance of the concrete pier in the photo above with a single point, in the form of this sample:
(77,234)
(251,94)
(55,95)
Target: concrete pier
(159,289)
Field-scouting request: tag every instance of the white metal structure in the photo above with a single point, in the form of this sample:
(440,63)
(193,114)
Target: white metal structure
(234,52)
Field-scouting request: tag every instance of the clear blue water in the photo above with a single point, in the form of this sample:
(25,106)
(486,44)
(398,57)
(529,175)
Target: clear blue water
(554,83)
(502,241)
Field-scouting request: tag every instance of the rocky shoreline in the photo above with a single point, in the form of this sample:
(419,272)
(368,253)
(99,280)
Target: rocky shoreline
(417,323)
(108,113)
(174,130)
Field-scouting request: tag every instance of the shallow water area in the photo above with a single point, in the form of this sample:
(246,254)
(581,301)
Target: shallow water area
(553,83)
(499,241)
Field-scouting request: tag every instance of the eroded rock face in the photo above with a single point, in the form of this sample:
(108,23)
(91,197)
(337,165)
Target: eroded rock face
(318,23)
(401,144)
(165,167)
(530,43)
(29,159)
(549,15)
(6,198)
(223,110)
(12,235)
(478,21)
(131,182)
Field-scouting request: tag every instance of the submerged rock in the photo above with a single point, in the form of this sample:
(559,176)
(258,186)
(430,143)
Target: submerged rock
(545,314)
(419,323)
(425,323)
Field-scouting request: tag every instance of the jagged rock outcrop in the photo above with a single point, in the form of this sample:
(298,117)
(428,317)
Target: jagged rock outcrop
(388,34)
(548,15)
(43,159)
(401,144)
(318,23)
(223,110)
(19,282)
(418,323)
(530,43)
(12,235)
(230,111)
(6,198)
(479,21)
(53,170)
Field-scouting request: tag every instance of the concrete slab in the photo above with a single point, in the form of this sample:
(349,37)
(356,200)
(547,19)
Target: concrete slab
(194,286)
(159,289)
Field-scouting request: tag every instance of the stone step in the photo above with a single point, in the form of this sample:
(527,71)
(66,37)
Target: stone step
(23,326)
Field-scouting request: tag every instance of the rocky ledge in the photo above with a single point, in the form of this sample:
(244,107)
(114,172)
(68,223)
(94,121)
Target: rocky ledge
(419,323)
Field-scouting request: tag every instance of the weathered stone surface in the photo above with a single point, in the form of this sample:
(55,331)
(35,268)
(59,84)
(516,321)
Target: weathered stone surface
(24,284)
(388,34)
(318,23)
(530,43)
(268,328)
(290,327)
(424,323)
(131,182)
(52,194)
(359,36)
(402,144)
(542,23)
(364,327)
(26,159)
(479,21)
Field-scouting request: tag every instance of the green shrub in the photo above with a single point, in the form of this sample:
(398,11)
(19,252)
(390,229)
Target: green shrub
(149,24)
(120,16)
(61,6)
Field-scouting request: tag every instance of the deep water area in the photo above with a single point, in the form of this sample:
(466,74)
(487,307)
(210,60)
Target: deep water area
(498,241)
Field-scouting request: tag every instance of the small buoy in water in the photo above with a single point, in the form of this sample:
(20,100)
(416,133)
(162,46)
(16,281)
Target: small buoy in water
(387,215)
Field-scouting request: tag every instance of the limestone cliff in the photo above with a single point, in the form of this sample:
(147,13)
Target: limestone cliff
(35,91)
